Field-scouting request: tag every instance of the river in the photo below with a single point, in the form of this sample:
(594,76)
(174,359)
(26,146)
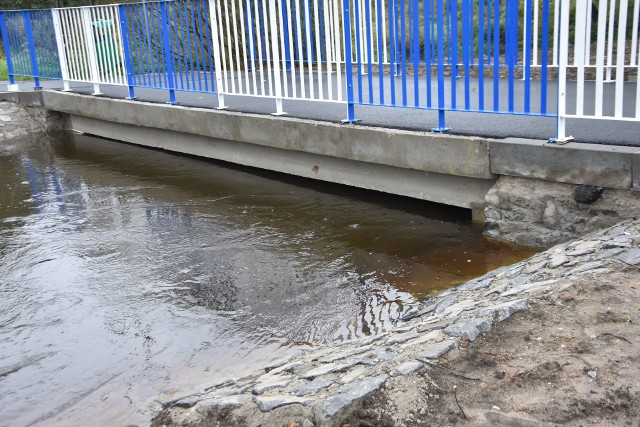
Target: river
(129,276)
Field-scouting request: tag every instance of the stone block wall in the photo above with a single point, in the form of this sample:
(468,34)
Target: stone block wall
(542,213)
(17,121)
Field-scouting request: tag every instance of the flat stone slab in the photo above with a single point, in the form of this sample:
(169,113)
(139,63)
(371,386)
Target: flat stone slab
(354,374)
(503,311)
(632,257)
(531,287)
(345,354)
(402,338)
(314,386)
(205,407)
(557,260)
(435,350)
(469,327)
(329,368)
(337,405)
(276,381)
(408,367)
(269,403)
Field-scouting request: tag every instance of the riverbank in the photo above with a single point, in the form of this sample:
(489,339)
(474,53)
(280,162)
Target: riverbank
(565,357)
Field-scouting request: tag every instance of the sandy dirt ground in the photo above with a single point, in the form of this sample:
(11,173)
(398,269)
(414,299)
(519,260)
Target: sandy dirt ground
(573,359)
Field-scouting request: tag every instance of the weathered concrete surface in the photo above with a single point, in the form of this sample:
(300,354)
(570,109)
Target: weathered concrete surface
(599,165)
(448,189)
(422,151)
(541,213)
(27,99)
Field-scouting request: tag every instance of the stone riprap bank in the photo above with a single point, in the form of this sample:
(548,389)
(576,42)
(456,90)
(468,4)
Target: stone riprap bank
(323,387)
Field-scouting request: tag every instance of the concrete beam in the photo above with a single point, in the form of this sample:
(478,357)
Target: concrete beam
(600,165)
(441,188)
(420,151)
(28,99)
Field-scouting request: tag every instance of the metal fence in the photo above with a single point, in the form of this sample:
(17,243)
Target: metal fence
(556,58)
(30,45)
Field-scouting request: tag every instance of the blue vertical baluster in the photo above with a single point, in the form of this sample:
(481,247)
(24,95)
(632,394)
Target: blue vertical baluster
(202,62)
(153,53)
(403,50)
(32,49)
(396,36)
(441,112)
(168,53)
(544,51)
(128,64)
(415,34)
(454,52)
(359,53)
(489,30)
(351,114)
(197,48)
(512,43)
(207,30)
(496,55)
(285,34)
(7,48)
(145,68)
(186,68)
(323,55)
(527,58)
(249,23)
(481,35)
(380,52)
(427,46)
(392,50)
(467,34)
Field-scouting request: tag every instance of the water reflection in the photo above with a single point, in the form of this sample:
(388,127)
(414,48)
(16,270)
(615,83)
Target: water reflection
(128,274)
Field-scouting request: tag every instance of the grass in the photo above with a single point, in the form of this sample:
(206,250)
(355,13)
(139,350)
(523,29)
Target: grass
(4,72)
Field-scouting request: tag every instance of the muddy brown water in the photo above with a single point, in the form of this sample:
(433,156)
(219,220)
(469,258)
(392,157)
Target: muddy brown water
(129,276)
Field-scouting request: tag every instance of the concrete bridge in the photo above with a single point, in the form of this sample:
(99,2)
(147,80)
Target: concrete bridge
(456,170)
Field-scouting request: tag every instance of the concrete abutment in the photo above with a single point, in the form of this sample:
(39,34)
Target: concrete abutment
(521,190)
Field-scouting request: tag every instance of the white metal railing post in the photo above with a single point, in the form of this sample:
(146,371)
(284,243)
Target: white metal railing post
(611,36)
(600,48)
(556,28)
(62,54)
(634,33)
(275,48)
(620,59)
(217,63)
(580,23)
(91,49)
(536,20)
(563,48)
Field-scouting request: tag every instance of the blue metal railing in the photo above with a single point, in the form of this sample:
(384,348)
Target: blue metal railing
(445,42)
(443,55)
(30,45)
(168,46)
